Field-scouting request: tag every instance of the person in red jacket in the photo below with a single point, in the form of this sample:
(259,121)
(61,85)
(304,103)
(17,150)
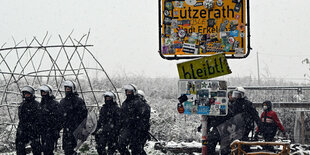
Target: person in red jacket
(271,124)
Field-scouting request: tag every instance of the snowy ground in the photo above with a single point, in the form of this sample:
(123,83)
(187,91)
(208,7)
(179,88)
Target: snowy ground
(296,149)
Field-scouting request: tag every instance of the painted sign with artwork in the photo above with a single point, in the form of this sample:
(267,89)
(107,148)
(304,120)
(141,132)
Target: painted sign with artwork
(205,97)
(194,28)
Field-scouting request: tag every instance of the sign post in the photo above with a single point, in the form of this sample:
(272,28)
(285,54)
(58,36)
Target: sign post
(204,97)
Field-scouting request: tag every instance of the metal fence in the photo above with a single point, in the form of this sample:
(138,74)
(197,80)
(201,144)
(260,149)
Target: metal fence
(291,104)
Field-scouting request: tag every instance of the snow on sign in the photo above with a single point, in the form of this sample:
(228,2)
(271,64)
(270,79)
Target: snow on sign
(205,97)
(212,26)
(204,68)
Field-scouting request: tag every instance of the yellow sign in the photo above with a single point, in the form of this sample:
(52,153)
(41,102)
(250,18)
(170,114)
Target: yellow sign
(204,68)
(203,27)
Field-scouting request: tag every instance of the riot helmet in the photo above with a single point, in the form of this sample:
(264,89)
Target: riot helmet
(46,88)
(109,94)
(28,90)
(132,88)
(141,93)
(70,84)
(238,93)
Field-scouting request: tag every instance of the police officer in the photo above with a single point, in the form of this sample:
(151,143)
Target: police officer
(135,115)
(244,106)
(50,117)
(28,127)
(74,111)
(142,96)
(108,125)
(214,122)
(249,114)
(241,108)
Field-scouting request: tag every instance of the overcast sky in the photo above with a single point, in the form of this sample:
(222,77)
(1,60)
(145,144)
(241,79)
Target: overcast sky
(125,33)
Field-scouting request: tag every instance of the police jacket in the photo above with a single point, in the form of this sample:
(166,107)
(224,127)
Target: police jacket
(50,115)
(249,113)
(74,111)
(109,118)
(135,114)
(28,114)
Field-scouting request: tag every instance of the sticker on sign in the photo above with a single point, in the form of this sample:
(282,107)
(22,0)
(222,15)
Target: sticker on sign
(204,97)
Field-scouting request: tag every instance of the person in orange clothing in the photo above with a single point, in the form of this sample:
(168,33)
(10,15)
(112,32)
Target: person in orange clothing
(271,124)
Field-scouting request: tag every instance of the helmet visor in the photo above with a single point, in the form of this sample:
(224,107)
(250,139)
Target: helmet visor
(236,94)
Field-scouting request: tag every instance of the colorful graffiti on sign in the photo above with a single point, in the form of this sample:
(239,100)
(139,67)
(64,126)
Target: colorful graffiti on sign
(205,97)
(203,27)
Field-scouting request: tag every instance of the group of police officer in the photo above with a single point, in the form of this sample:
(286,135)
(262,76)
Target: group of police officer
(121,127)
(118,127)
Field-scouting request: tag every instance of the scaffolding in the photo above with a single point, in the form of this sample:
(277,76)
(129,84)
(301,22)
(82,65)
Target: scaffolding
(38,62)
